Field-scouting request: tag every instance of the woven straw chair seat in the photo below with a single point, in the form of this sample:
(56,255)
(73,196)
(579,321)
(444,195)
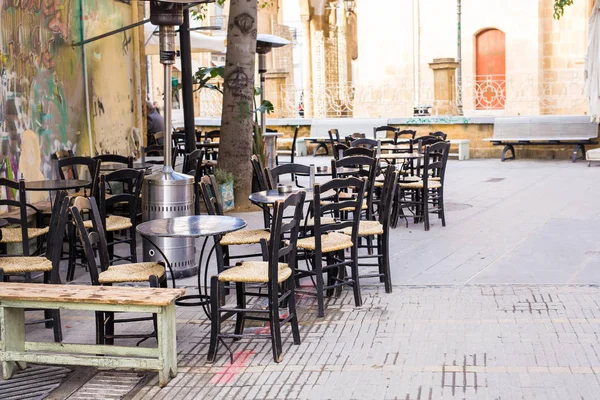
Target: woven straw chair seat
(324,221)
(378,184)
(364,205)
(365,228)
(15,235)
(332,241)
(419,185)
(139,272)
(16,265)
(254,272)
(113,223)
(245,236)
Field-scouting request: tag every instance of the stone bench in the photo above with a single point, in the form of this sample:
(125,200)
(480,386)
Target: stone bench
(593,156)
(16,351)
(544,130)
(463,148)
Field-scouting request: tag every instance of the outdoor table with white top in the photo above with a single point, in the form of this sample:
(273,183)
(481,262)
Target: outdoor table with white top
(194,226)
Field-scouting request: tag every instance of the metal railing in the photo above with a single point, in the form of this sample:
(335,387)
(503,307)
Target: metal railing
(555,92)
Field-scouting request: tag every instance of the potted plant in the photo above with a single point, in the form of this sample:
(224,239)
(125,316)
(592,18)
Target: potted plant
(225,186)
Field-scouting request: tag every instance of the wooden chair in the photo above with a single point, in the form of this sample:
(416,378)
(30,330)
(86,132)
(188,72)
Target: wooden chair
(429,189)
(405,132)
(47,264)
(274,174)
(364,142)
(276,271)
(379,230)
(93,240)
(385,128)
(334,137)
(439,134)
(290,153)
(325,247)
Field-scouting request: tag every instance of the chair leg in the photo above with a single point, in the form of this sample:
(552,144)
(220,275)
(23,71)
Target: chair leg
(100,327)
(291,303)
(275,322)
(425,209)
(320,294)
(442,212)
(110,238)
(109,327)
(356,285)
(133,245)
(71,264)
(384,251)
(240,288)
(215,330)
(56,326)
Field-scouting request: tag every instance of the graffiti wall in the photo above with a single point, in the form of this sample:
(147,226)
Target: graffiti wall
(42,91)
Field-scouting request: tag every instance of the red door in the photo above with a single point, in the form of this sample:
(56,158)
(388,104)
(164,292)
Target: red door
(490,70)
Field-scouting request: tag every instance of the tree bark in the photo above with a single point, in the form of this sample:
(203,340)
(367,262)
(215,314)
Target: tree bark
(235,147)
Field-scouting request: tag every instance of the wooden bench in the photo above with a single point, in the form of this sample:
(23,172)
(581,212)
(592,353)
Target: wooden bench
(15,351)
(544,130)
(463,148)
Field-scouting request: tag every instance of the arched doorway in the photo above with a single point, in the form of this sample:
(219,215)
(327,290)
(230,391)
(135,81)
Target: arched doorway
(490,70)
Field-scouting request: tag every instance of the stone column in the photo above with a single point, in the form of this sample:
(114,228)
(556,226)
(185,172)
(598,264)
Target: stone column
(444,86)
(307,66)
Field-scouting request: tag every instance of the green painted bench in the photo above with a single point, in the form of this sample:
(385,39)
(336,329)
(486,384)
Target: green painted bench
(15,351)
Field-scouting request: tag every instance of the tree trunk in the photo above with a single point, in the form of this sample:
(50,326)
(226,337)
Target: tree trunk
(235,147)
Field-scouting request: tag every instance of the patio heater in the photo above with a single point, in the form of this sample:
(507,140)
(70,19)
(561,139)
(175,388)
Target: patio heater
(264,44)
(167,193)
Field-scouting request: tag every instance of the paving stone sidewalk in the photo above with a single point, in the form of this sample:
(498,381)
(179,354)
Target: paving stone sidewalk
(447,342)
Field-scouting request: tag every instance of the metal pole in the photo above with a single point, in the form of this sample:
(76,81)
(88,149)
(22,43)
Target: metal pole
(459,60)
(187,82)
(262,69)
(167,58)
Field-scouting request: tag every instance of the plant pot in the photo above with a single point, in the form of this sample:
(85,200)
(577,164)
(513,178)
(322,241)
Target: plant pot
(227,197)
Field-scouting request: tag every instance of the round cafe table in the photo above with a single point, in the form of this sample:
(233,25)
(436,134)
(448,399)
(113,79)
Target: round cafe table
(56,184)
(194,226)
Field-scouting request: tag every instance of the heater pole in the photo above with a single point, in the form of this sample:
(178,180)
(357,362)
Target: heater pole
(167,58)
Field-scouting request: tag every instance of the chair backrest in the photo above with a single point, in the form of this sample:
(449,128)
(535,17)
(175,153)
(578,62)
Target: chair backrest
(93,238)
(156,150)
(426,141)
(294,140)
(16,197)
(214,134)
(385,128)
(439,134)
(404,132)
(193,161)
(131,181)
(434,162)
(327,201)
(115,158)
(274,174)
(338,150)
(387,196)
(280,247)
(259,173)
(68,167)
(358,151)
(334,137)
(364,142)
(212,199)
(56,232)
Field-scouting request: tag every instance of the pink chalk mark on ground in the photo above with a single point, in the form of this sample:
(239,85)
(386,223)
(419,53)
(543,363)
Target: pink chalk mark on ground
(226,374)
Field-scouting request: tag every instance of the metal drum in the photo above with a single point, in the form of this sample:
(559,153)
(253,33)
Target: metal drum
(167,194)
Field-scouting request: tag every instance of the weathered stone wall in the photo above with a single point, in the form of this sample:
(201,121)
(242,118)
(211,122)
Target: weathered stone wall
(42,91)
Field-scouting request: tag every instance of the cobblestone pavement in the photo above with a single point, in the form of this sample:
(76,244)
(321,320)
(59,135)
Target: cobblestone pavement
(468,342)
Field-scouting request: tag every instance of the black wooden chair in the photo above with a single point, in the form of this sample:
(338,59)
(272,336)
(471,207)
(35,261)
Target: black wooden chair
(276,271)
(275,174)
(93,240)
(47,264)
(365,142)
(334,138)
(379,230)
(259,183)
(289,153)
(358,167)
(68,169)
(429,189)
(325,247)
(385,128)
(439,134)
(192,165)
(410,134)
(17,216)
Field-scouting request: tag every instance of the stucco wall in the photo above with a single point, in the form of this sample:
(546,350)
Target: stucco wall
(42,103)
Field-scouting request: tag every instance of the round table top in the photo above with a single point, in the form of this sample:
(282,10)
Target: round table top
(56,184)
(401,156)
(271,196)
(3,222)
(394,147)
(192,226)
